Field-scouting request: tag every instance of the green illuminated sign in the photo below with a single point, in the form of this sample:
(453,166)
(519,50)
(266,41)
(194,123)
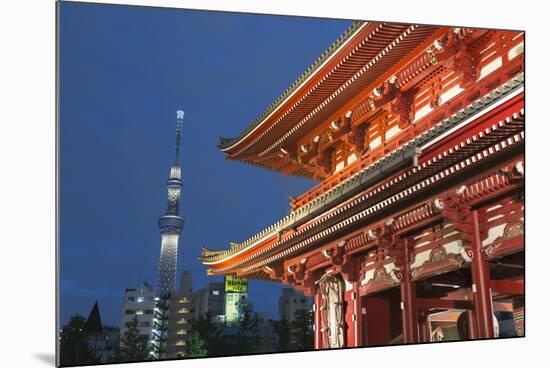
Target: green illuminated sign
(234,284)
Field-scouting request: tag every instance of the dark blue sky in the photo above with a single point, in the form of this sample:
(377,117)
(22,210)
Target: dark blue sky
(124,73)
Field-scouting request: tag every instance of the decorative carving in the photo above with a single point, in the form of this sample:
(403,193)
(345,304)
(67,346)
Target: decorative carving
(467,253)
(332,310)
(381,280)
(510,241)
(440,261)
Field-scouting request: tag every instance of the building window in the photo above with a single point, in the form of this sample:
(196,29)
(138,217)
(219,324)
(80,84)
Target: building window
(139,312)
(131,298)
(215,292)
(145,324)
(129,311)
(140,299)
(149,311)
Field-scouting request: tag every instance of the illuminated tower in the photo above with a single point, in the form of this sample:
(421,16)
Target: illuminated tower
(171,223)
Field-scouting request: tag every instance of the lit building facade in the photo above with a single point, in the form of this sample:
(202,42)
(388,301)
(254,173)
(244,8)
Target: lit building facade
(291,301)
(415,135)
(139,303)
(180,316)
(210,299)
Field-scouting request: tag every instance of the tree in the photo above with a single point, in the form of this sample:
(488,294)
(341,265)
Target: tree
(196,347)
(74,348)
(302,330)
(133,346)
(282,330)
(248,336)
(214,341)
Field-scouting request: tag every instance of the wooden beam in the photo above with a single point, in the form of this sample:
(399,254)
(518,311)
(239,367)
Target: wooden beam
(506,286)
(428,303)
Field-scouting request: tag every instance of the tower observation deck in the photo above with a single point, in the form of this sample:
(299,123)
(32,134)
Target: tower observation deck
(171,223)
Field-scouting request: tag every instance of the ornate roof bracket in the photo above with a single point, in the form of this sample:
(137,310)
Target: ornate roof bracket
(301,278)
(453,50)
(292,155)
(453,207)
(323,161)
(401,102)
(275,272)
(384,235)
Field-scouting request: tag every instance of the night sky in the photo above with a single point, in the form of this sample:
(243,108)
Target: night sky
(124,73)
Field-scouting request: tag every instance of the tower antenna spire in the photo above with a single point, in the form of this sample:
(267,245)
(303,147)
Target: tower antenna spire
(170,226)
(179,127)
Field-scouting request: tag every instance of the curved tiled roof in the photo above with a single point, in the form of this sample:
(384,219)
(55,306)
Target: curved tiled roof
(225,143)
(337,194)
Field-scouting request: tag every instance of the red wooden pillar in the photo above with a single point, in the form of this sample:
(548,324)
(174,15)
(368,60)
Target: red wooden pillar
(424,329)
(472,330)
(408,301)
(349,331)
(318,338)
(352,315)
(356,326)
(481,280)
(359,328)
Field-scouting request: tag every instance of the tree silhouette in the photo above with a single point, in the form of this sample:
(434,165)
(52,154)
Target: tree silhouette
(74,348)
(248,337)
(196,347)
(133,346)
(302,330)
(283,332)
(209,332)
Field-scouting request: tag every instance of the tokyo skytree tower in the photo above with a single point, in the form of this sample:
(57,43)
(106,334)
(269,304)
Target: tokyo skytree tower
(171,223)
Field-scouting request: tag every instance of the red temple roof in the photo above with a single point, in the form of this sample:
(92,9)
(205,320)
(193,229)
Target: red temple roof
(386,112)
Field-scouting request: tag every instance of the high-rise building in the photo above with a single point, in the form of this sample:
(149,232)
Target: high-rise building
(291,301)
(210,299)
(180,315)
(170,225)
(139,303)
